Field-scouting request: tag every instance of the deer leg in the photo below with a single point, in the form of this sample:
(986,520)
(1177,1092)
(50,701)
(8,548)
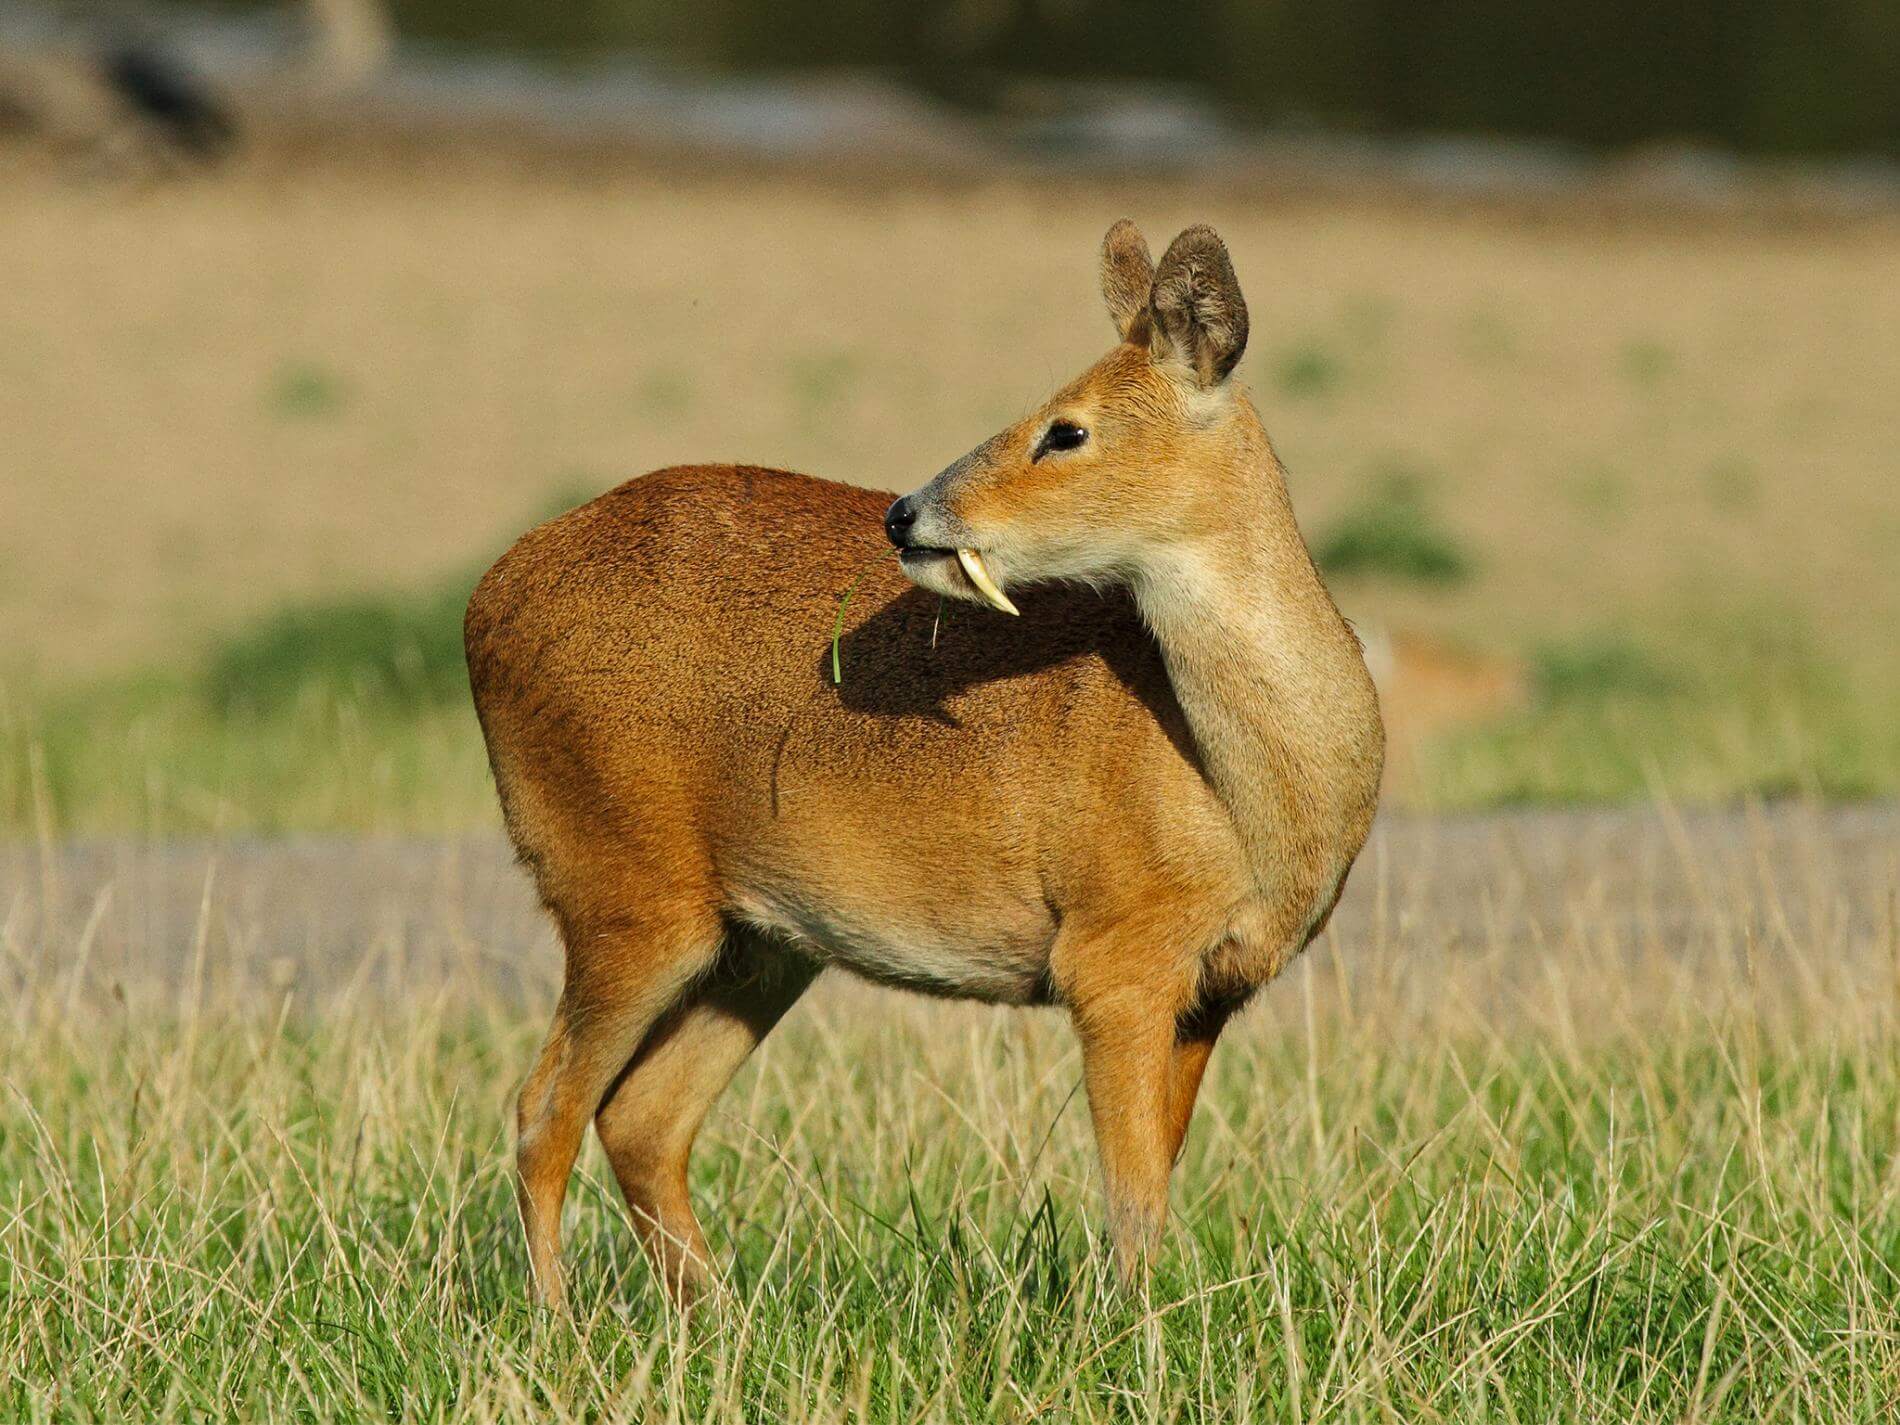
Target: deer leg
(1193,1046)
(621,979)
(653,1113)
(1127,1068)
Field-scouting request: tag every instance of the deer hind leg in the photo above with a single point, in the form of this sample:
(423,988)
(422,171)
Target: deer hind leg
(653,1113)
(1193,1046)
(622,977)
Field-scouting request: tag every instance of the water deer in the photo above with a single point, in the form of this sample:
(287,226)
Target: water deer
(1128,779)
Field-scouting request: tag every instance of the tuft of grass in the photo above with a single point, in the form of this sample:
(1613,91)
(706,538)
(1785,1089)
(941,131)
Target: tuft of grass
(1601,491)
(1733,485)
(1392,535)
(306,390)
(1307,369)
(403,650)
(1645,362)
(844,602)
(820,381)
(399,649)
(1598,667)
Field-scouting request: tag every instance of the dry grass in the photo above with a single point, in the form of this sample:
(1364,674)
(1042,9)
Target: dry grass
(353,373)
(1568,1118)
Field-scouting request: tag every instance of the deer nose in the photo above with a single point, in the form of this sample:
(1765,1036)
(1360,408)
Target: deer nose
(898,520)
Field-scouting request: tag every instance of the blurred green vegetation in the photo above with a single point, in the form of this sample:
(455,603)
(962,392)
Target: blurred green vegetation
(306,390)
(400,651)
(1773,76)
(1307,369)
(389,653)
(1393,535)
(1598,667)
(1646,363)
(1699,711)
(153,755)
(352,715)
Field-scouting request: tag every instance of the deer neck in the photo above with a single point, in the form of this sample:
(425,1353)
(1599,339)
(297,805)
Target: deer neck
(1271,679)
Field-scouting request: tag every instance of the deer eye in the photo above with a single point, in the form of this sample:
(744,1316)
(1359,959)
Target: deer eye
(1061,435)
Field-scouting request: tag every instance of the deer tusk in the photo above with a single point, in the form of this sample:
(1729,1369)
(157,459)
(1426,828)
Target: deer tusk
(972,563)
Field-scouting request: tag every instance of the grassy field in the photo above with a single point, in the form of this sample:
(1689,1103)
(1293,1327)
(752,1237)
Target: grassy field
(1647,464)
(1568,1118)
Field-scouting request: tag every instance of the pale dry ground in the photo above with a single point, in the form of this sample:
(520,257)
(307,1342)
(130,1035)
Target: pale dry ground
(321,917)
(223,392)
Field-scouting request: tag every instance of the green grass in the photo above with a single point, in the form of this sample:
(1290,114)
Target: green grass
(1392,535)
(389,652)
(306,390)
(1308,369)
(400,650)
(1645,363)
(352,715)
(1563,1184)
(1595,669)
(156,756)
(1729,708)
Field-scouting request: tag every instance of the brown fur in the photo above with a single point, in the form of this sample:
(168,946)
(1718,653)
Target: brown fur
(1138,800)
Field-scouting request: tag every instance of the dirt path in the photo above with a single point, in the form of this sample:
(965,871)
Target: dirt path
(456,919)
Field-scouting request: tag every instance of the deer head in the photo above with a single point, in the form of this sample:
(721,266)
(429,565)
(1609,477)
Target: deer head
(1135,458)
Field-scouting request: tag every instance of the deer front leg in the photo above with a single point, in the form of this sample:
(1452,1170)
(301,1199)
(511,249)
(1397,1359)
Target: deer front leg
(1127,1067)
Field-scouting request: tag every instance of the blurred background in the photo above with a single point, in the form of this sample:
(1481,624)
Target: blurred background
(1576,327)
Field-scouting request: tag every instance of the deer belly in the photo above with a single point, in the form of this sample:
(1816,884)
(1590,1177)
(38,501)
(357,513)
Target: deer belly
(990,950)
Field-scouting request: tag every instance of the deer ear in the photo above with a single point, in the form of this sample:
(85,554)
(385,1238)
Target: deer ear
(1128,274)
(1198,310)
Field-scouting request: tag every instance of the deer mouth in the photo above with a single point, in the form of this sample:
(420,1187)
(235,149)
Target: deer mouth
(975,573)
(979,576)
